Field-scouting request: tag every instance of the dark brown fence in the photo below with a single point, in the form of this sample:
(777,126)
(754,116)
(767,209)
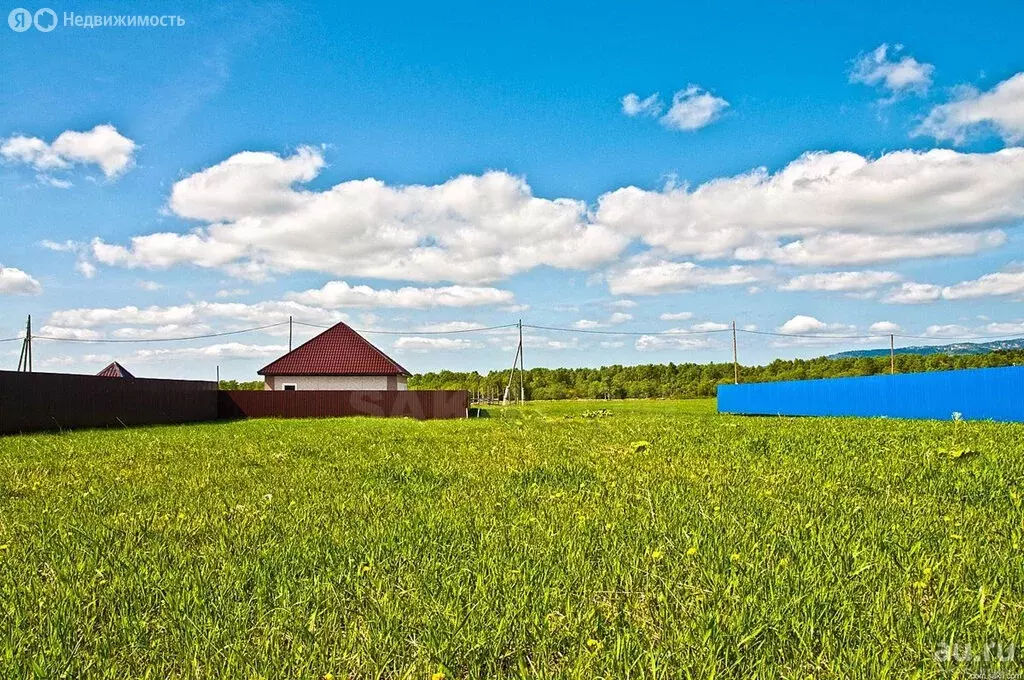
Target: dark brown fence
(421,404)
(53,401)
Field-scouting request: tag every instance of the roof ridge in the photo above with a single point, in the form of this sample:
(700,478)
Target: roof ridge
(344,352)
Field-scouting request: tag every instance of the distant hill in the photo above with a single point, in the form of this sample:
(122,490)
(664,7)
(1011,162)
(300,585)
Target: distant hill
(955,348)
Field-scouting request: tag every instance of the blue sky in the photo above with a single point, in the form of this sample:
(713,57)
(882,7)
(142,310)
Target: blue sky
(822,170)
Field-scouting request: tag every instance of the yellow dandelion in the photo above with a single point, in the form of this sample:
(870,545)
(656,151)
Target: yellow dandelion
(594,644)
(657,555)
(735,557)
(691,551)
(365,569)
(438,676)
(328,676)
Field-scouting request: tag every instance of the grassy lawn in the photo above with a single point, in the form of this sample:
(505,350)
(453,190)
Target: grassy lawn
(583,539)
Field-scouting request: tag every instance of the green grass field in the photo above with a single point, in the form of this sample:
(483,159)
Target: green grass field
(661,540)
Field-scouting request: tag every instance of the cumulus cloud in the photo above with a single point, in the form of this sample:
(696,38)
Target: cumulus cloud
(336,294)
(693,108)
(801,324)
(420,344)
(912,293)
(102,146)
(831,207)
(883,68)
(1001,108)
(649,275)
(856,249)
(259,313)
(83,265)
(14,281)
(996,284)
(470,229)
(851,282)
(633,106)
(822,210)
(709,326)
(885,327)
(449,326)
(655,343)
(675,316)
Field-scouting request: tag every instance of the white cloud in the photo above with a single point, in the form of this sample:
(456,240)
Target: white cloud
(614,319)
(611,344)
(898,76)
(619,317)
(470,229)
(822,200)
(259,313)
(854,249)
(14,281)
(633,106)
(1005,327)
(647,275)
(82,264)
(693,108)
(912,293)
(710,326)
(676,316)
(1002,108)
(225,350)
(419,344)
(822,209)
(622,304)
(654,343)
(885,327)
(68,333)
(85,268)
(150,286)
(802,324)
(336,294)
(102,146)
(995,284)
(949,331)
(448,326)
(841,281)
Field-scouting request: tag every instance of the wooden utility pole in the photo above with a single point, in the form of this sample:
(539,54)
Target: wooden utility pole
(522,386)
(289,333)
(511,375)
(735,359)
(892,354)
(25,360)
(218,376)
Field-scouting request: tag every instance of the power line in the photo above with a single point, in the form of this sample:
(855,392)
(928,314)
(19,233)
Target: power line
(559,329)
(447,332)
(599,332)
(188,337)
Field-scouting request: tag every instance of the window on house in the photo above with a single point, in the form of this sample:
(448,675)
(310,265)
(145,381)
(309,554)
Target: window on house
(288,387)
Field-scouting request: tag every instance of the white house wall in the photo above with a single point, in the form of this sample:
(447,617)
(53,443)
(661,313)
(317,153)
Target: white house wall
(334,382)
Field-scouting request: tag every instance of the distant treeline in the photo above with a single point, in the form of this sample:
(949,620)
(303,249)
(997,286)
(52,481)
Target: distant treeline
(692,380)
(254,385)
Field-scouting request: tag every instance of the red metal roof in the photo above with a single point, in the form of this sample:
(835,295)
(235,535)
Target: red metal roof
(115,370)
(337,351)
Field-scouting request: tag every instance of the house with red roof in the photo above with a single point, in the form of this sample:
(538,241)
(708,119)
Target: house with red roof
(115,370)
(337,359)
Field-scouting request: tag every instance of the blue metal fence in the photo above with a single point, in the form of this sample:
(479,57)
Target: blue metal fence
(977,394)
